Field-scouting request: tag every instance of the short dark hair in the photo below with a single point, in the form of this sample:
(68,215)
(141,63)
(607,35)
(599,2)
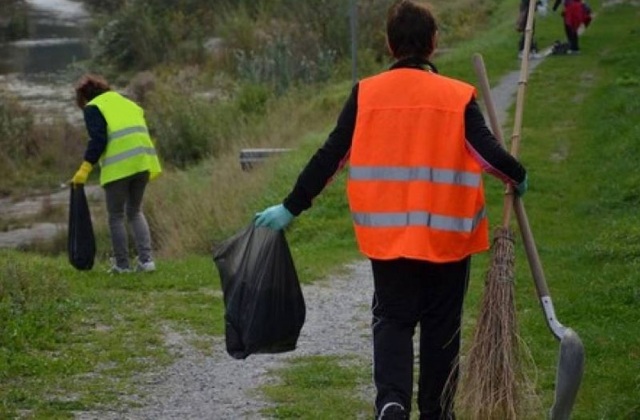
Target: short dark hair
(411,29)
(88,87)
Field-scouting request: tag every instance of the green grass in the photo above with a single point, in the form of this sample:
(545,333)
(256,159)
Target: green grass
(74,340)
(319,388)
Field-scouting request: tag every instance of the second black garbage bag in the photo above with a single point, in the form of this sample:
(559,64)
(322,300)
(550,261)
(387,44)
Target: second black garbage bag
(81,242)
(264,305)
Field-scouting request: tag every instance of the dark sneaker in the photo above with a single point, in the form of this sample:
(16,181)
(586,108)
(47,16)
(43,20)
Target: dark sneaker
(393,411)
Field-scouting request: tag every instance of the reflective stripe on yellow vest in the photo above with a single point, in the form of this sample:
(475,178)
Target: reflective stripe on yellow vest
(129,147)
(414,190)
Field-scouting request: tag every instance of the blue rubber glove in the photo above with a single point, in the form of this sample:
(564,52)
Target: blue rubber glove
(522,187)
(275,217)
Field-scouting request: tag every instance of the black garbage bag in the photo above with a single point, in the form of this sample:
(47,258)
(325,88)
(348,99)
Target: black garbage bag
(264,305)
(81,242)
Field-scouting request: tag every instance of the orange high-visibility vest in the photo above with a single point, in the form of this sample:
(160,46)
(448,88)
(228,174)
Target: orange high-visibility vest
(414,189)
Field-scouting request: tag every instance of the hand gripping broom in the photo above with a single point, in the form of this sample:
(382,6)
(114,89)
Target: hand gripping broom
(571,361)
(493,378)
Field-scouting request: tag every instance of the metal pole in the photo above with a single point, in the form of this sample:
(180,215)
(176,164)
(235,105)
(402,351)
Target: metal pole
(353,24)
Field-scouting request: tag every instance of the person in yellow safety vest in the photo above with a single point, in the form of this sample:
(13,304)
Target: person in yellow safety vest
(417,144)
(119,140)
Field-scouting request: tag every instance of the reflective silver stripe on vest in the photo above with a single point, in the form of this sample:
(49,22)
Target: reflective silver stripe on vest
(416,173)
(126,131)
(419,218)
(129,153)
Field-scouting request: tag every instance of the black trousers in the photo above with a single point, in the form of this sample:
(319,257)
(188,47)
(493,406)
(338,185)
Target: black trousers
(533,48)
(408,293)
(572,37)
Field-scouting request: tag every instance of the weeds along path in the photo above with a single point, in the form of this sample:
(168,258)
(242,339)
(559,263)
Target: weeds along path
(220,387)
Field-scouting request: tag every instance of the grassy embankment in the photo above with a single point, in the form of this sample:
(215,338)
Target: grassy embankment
(72,341)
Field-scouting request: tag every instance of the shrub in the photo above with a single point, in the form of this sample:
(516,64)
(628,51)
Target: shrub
(189,128)
(141,35)
(16,125)
(36,154)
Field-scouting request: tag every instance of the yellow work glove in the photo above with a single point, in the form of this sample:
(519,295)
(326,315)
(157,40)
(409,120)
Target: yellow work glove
(82,174)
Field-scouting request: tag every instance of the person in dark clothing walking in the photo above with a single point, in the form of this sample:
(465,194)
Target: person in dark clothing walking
(521,26)
(417,144)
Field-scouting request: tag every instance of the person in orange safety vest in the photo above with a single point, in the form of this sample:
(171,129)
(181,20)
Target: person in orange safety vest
(417,145)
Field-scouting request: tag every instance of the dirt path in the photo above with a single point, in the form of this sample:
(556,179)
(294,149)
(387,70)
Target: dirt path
(219,387)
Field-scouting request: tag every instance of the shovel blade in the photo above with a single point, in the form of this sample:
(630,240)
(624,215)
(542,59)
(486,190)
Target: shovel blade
(568,376)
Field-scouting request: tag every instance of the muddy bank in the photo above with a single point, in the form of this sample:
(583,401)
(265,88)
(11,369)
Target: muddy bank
(26,218)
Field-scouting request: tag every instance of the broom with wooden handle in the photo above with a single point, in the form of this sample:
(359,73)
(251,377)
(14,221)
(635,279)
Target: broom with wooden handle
(493,377)
(571,356)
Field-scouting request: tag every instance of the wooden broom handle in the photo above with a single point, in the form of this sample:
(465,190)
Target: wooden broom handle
(485,90)
(525,229)
(522,83)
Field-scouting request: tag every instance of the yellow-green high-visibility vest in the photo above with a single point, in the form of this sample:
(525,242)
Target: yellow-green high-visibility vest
(129,147)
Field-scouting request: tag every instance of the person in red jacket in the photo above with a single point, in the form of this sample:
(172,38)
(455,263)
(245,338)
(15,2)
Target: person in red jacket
(417,144)
(575,14)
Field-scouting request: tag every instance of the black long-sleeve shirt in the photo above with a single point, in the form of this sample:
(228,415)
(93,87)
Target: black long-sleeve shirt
(333,154)
(97,129)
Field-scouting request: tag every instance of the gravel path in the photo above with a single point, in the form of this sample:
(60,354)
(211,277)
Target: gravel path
(220,387)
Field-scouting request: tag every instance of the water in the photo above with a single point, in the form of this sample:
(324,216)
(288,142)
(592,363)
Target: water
(34,69)
(56,39)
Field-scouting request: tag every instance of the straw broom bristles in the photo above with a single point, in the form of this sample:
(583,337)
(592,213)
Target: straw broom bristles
(491,374)
(494,381)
